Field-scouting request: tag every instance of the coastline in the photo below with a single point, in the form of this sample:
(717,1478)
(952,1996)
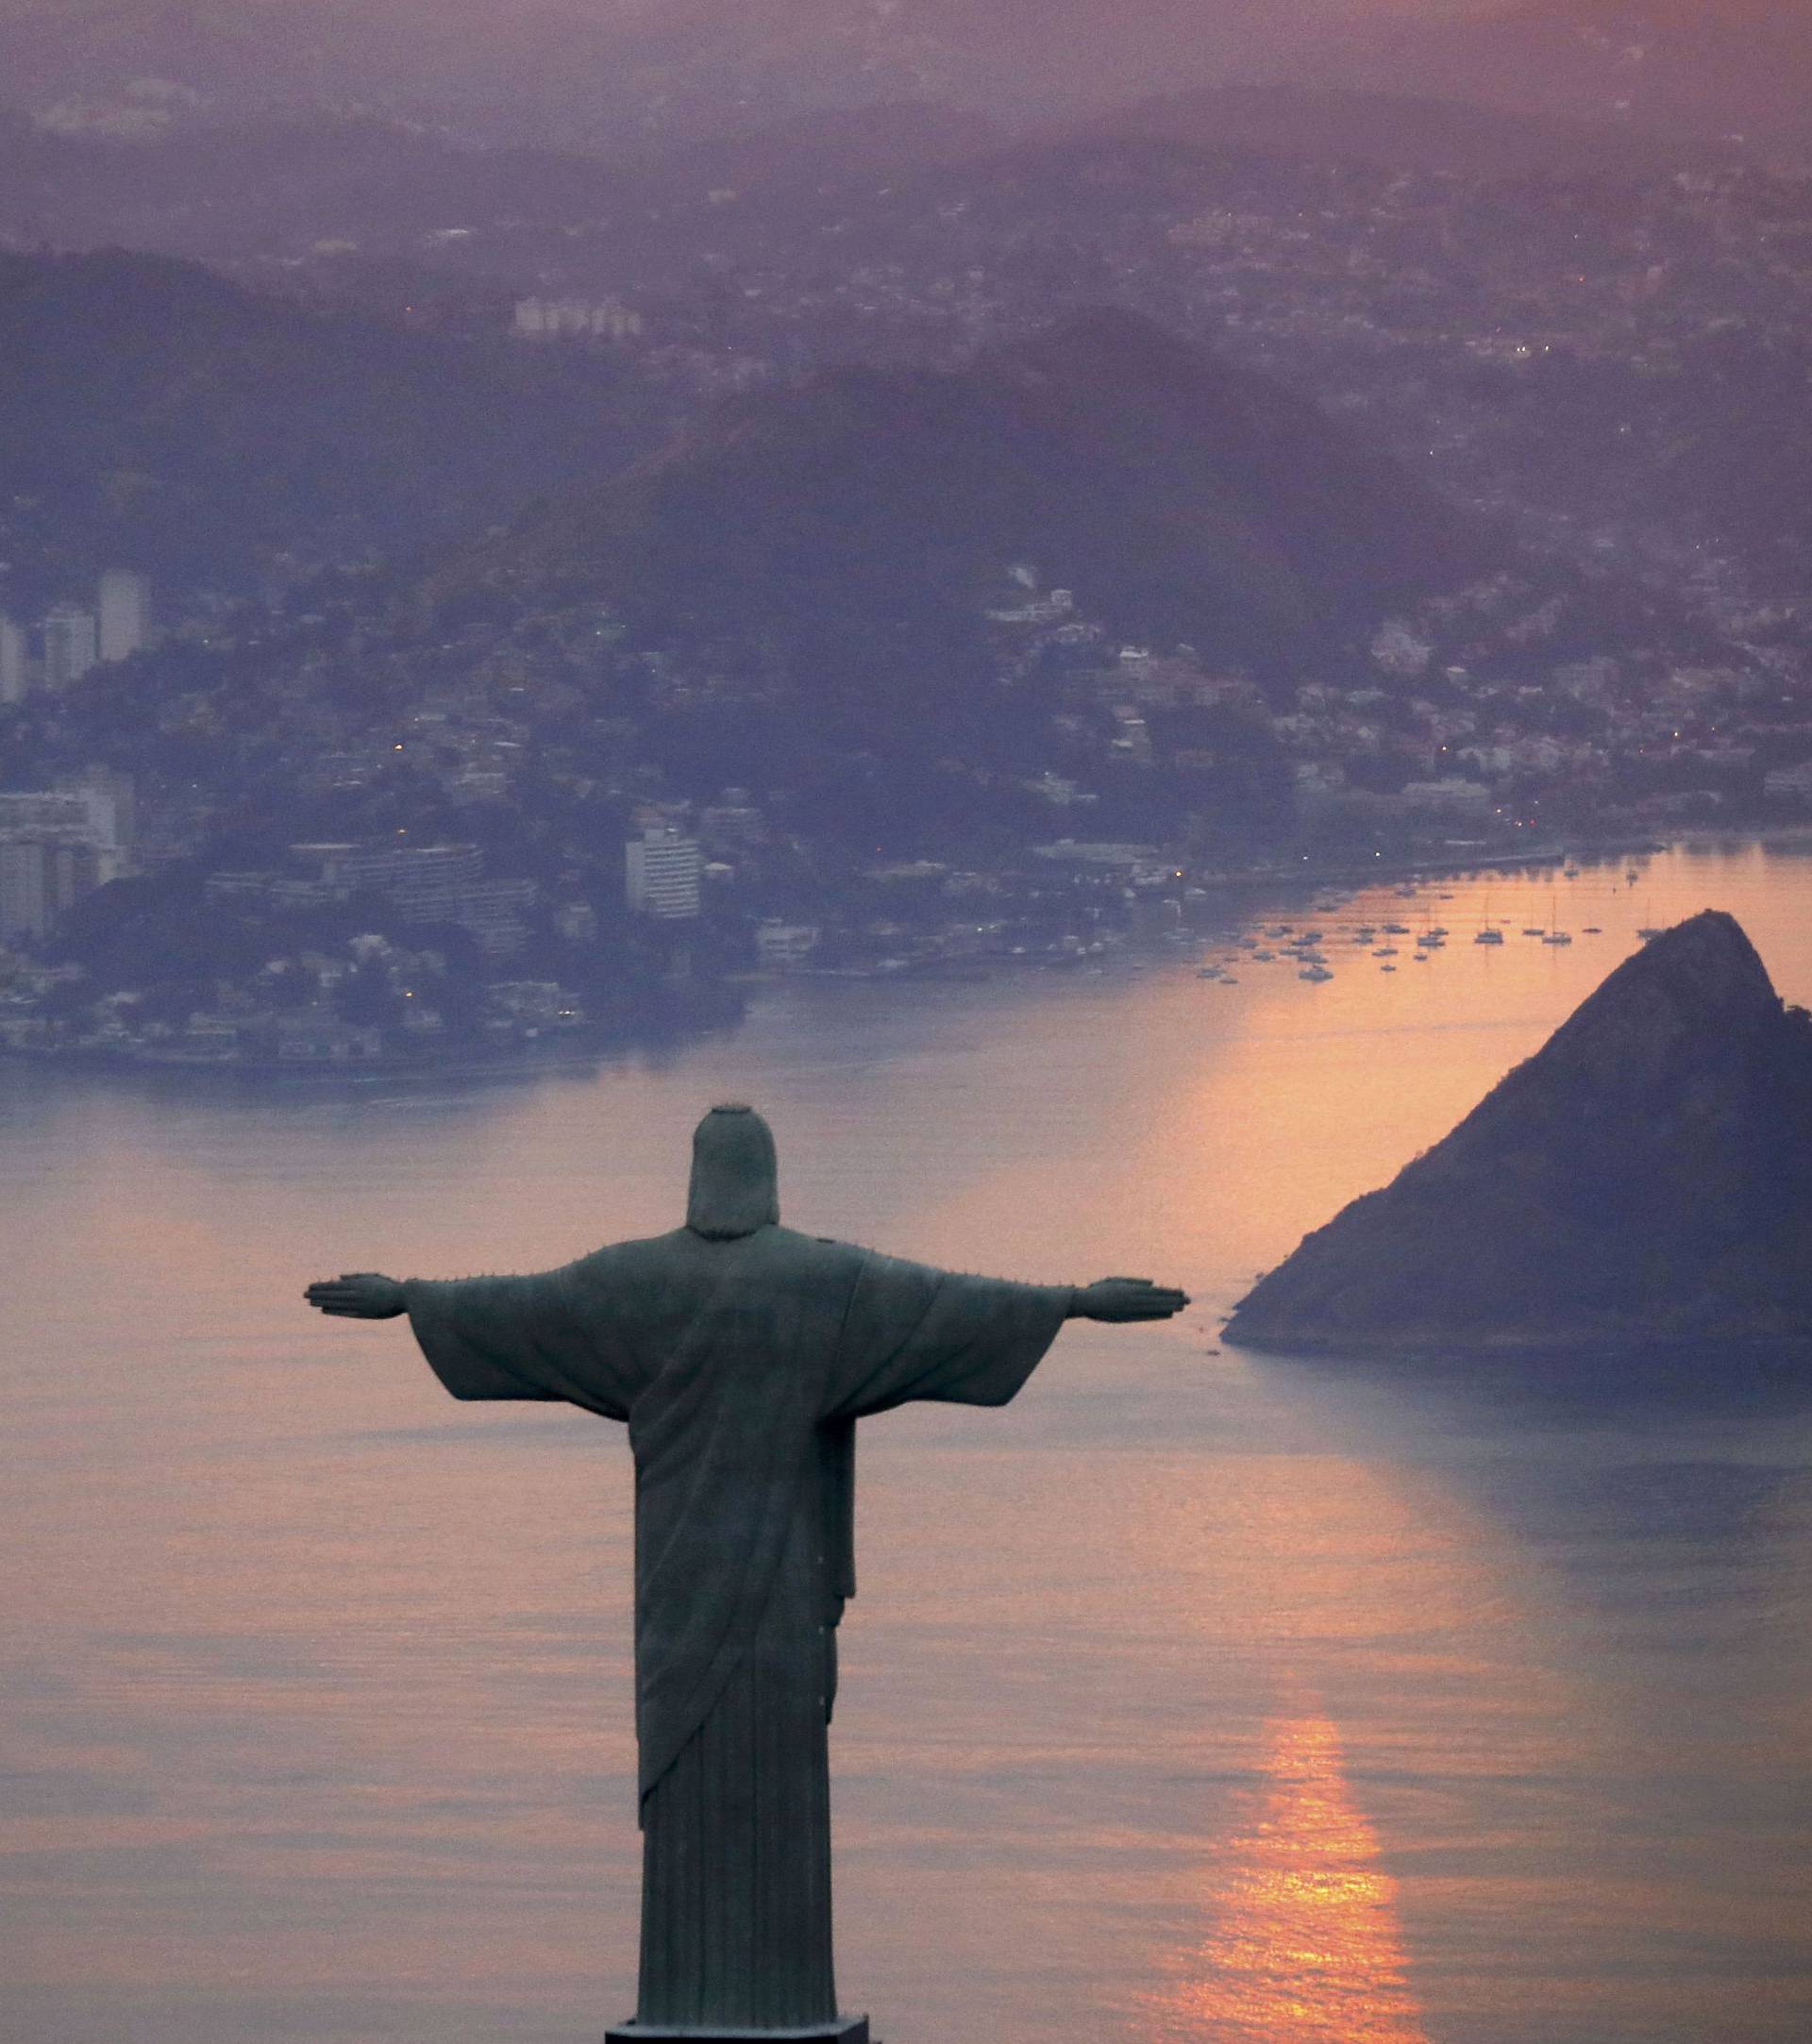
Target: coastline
(1427,1348)
(1235,897)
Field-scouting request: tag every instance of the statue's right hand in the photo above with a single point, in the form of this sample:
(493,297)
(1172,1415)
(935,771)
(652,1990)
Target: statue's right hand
(358,1295)
(1129,1298)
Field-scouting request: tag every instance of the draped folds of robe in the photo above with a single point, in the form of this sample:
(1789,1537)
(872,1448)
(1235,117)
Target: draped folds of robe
(741,1366)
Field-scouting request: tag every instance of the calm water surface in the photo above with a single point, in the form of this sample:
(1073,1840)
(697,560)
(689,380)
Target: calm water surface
(1194,1696)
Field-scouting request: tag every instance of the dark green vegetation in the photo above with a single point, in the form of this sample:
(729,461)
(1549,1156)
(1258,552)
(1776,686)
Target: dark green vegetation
(1645,1179)
(154,415)
(848,538)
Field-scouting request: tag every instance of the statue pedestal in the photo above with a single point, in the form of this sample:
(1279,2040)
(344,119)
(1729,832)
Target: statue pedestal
(840,2030)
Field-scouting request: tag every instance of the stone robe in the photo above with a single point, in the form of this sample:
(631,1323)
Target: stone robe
(741,1366)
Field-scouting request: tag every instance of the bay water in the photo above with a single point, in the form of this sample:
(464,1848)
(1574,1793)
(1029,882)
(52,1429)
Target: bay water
(1196,1695)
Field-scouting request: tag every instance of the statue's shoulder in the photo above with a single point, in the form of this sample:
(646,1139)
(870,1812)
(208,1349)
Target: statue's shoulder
(823,1251)
(639,1248)
(619,1261)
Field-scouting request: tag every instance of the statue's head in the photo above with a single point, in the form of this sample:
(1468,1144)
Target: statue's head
(736,1181)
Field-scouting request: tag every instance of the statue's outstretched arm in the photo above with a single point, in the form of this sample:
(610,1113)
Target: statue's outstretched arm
(358,1295)
(1126,1299)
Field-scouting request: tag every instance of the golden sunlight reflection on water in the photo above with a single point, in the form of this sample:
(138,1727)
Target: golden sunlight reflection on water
(1304,1944)
(1196,1696)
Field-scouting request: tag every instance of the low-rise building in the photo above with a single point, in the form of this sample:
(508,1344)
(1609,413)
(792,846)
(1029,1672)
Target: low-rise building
(779,944)
(1789,784)
(315,1038)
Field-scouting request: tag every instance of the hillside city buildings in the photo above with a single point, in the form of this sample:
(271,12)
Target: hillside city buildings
(57,846)
(421,884)
(71,639)
(552,319)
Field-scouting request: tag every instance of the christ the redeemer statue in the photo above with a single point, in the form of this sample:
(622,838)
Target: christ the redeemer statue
(742,1356)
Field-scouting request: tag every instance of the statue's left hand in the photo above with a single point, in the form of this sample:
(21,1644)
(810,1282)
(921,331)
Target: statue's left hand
(1128,1299)
(358,1295)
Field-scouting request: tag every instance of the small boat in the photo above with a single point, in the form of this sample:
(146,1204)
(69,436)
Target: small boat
(1316,972)
(1396,930)
(1385,950)
(1489,936)
(1534,930)
(1592,930)
(1557,936)
(1420,958)
(1386,968)
(1265,958)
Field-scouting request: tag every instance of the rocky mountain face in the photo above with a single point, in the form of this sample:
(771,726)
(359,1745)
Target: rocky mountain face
(1644,1180)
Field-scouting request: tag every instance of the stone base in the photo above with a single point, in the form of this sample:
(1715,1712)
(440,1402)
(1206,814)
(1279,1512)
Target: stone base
(840,2030)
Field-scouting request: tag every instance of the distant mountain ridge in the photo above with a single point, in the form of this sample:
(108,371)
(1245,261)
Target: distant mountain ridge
(153,413)
(1678,68)
(603,71)
(226,191)
(862,518)
(1645,1179)
(1401,129)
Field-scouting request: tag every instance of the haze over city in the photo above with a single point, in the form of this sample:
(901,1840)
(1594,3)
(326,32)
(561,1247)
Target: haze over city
(1176,636)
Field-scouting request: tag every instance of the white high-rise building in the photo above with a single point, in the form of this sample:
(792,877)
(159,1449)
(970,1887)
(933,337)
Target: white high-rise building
(126,614)
(42,875)
(23,909)
(13,660)
(71,644)
(111,800)
(661,874)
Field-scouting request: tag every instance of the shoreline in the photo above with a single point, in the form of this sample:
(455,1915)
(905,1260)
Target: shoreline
(1424,1351)
(1233,895)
